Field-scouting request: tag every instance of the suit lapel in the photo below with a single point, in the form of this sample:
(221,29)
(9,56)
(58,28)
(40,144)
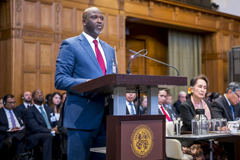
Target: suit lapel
(18,118)
(228,108)
(48,114)
(4,116)
(38,114)
(85,44)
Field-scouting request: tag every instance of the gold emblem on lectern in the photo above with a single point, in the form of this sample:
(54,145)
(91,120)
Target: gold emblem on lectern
(142,141)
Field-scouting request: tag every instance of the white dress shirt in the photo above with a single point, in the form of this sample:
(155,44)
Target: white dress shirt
(90,40)
(38,107)
(9,119)
(129,108)
(26,105)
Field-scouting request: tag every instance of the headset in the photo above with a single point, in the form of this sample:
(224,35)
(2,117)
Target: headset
(23,96)
(4,102)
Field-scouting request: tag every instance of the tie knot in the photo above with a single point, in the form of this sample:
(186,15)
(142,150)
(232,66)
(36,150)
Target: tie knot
(130,103)
(95,42)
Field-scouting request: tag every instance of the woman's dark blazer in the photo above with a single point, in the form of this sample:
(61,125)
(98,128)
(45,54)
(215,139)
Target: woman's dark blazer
(187,112)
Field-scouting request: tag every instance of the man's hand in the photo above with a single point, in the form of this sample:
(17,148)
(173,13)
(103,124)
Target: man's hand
(55,129)
(15,128)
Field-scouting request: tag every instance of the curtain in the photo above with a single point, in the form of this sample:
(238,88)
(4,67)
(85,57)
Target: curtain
(184,53)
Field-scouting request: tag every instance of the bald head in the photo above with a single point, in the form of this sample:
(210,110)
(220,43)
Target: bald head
(93,21)
(87,11)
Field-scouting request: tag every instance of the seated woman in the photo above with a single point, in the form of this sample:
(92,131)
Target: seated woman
(188,108)
(56,104)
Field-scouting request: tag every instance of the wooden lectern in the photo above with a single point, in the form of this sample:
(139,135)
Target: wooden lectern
(133,136)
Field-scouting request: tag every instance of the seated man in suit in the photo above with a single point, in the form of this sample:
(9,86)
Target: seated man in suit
(27,99)
(181,98)
(40,125)
(130,107)
(11,133)
(228,105)
(162,109)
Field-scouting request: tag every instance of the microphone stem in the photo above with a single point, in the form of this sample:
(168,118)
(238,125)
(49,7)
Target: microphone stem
(139,55)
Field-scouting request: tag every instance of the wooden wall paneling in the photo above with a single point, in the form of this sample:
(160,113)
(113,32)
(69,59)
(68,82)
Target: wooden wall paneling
(30,81)
(79,24)
(6,67)
(29,55)
(136,7)
(112,26)
(46,16)
(208,21)
(113,4)
(67,19)
(30,14)
(163,12)
(45,83)
(18,83)
(186,16)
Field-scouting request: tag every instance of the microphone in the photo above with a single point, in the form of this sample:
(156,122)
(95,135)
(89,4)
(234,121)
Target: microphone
(137,54)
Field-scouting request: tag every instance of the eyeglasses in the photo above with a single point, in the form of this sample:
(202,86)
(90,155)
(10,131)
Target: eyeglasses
(11,102)
(237,95)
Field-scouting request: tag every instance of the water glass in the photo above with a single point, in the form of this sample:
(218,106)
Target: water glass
(212,124)
(218,125)
(195,127)
(205,126)
(177,127)
(224,128)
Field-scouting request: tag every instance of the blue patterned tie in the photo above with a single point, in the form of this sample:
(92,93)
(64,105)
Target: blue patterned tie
(12,119)
(232,112)
(132,110)
(45,117)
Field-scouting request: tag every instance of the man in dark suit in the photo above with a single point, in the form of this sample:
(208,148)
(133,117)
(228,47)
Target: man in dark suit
(27,99)
(11,133)
(228,105)
(162,109)
(40,125)
(181,98)
(130,107)
(81,59)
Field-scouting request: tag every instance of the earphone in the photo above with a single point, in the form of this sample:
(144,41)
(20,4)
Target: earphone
(23,96)
(4,102)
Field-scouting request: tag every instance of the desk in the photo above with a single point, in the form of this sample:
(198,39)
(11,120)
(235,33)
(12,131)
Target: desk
(209,137)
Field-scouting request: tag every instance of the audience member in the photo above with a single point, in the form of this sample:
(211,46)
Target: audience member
(27,99)
(228,105)
(48,101)
(56,104)
(1,102)
(143,106)
(207,96)
(40,125)
(130,107)
(181,98)
(214,96)
(197,100)
(199,86)
(11,133)
(162,109)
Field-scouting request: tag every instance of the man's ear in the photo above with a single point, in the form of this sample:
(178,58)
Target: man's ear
(84,21)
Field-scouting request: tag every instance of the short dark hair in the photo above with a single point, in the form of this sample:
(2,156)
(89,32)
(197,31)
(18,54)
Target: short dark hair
(214,95)
(234,86)
(6,97)
(169,95)
(201,76)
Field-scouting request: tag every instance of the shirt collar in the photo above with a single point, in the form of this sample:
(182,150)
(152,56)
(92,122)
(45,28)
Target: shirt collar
(227,100)
(89,38)
(38,106)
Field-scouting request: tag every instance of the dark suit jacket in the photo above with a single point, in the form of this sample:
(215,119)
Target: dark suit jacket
(221,109)
(176,108)
(35,123)
(136,109)
(20,110)
(75,64)
(188,111)
(4,125)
